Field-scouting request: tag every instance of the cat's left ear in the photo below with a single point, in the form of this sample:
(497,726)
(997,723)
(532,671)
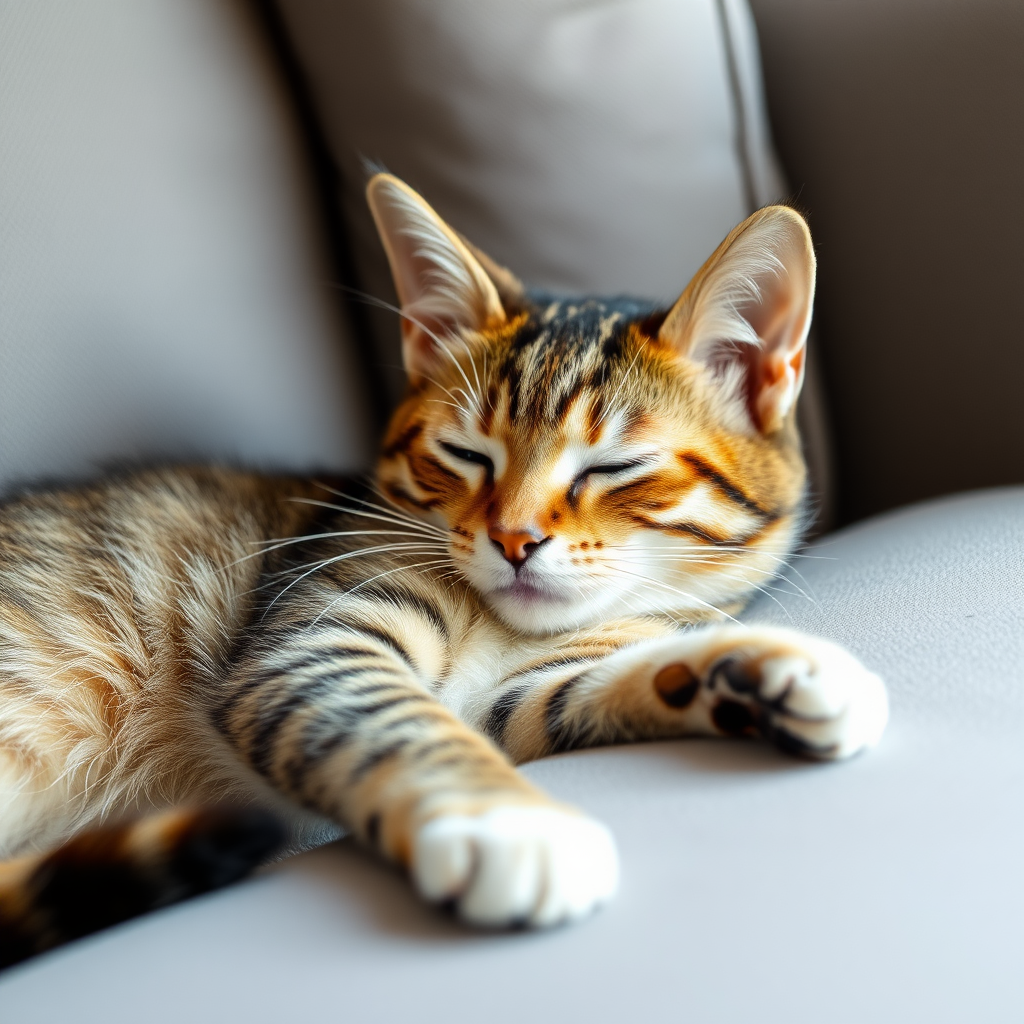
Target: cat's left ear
(749,309)
(443,284)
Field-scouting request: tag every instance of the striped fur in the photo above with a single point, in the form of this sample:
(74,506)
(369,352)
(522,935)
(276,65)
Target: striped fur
(111,874)
(571,499)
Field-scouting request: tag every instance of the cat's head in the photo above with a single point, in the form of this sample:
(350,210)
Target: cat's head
(594,458)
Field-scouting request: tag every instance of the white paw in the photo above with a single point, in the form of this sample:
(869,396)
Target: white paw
(516,865)
(813,698)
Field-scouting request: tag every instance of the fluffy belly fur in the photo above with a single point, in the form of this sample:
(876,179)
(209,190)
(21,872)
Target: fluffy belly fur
(121,605)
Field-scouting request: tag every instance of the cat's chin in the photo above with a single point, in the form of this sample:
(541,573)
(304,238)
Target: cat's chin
(534,609)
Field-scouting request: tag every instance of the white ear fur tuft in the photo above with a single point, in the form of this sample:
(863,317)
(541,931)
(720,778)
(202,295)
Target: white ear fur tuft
(440,283)
(749,306)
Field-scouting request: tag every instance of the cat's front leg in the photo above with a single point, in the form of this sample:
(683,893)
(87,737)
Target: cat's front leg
(808,696)
(342,719)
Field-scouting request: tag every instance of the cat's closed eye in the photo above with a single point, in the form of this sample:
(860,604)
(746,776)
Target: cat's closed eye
(468,455)
(608,468)
(604,469)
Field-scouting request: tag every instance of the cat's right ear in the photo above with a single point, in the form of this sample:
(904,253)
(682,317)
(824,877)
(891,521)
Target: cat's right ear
(746,314)
(445,286)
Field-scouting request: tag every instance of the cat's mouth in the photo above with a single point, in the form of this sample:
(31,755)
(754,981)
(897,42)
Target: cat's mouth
(528,592)
(538,605)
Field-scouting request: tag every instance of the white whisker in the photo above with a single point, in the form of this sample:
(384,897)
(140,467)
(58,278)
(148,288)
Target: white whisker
(675,590)
(430,334)
(360,552)
(380,575)
(622,384)
(277,543)
(661,554)
(390,509)
(420,527)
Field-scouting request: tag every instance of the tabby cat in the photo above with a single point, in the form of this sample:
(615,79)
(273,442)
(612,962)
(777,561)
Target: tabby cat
(572,503)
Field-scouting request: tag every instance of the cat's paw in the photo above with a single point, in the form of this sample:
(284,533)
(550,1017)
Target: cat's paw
(815,700)
(807,695)
(536,866)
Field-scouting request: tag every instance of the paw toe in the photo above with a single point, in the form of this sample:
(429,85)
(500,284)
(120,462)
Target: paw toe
(839,716)
(802,690)
(443,857)
(539,866)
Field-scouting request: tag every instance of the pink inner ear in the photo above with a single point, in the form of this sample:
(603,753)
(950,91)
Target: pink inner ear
(421,350)
(775,386)
(777,370)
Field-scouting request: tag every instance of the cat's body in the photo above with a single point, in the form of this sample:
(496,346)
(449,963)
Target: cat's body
(566,485)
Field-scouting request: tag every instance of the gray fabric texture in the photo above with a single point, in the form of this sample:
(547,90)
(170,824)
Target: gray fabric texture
(900,126)
(162,291)
(755,887)
(530,129)
(589,146)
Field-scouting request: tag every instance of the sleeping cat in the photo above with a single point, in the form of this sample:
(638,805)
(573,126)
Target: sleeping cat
(571,505)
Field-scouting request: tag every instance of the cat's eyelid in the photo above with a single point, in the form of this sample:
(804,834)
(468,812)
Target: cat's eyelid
(472,453)
(609,468)
(491,448)
(461,451)
(619,463)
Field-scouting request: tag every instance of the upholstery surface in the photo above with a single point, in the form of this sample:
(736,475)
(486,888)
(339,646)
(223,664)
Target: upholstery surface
(162,294)
(755,887)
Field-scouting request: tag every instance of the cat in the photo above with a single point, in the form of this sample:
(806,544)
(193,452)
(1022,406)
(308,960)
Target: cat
(572,503)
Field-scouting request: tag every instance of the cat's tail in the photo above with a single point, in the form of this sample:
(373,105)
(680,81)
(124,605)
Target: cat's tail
(117,872)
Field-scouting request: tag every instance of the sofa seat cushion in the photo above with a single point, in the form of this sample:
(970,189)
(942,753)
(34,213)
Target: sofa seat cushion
(754,887)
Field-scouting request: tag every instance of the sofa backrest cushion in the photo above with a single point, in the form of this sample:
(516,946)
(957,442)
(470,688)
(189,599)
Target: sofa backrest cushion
(588,146)
(162,295)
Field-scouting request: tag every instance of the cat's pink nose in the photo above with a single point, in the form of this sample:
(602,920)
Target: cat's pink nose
(516,546)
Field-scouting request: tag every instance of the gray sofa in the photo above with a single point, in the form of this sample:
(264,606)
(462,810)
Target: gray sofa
(167,291)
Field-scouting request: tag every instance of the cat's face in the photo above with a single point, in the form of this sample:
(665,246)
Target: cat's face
(583,471)
(583,463)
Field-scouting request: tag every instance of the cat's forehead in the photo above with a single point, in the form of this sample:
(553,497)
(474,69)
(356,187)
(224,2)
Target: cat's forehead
(580,322)
(564,349)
